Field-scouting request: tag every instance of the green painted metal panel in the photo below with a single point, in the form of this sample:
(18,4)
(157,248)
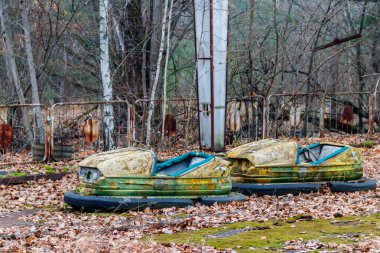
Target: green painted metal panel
(155,186)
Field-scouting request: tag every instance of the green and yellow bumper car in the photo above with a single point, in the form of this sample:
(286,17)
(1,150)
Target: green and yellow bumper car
(132,179)
(277,167)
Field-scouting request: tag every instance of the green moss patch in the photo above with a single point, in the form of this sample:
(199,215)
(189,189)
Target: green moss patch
(271,235)
(49,169)
(368,144)
(14,174)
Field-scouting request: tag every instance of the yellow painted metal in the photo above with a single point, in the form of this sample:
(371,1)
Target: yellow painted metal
(275,161)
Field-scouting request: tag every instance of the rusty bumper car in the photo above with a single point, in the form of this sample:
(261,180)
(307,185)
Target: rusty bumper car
(132,179)
(274,167)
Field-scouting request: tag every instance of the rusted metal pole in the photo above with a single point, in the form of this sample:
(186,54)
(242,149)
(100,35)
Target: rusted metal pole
(131,124)
(371,106)
(266,113)
(49,152)
(322,118)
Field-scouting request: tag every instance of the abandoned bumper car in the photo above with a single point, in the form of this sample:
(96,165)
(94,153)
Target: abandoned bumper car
(131,179)
(274,167)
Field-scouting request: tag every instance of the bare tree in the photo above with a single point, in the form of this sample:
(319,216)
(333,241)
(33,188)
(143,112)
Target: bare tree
(166,71)
(157,76)
(32,73)
(109,123)
(11,64)
(146,16)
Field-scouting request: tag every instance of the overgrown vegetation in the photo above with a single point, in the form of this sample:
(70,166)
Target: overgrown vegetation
(272,235)
(14,174)
(49,169)
(368,144)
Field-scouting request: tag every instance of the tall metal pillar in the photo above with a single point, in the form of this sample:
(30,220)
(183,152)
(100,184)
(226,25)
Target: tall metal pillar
(211,28)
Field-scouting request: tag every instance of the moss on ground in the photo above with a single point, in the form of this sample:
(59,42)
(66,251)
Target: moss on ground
(49,169)
(14,174)
(368,144)
(271,235)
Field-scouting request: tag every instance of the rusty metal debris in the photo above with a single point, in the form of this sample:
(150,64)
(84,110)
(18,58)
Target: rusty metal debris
(91,130)
(6,136)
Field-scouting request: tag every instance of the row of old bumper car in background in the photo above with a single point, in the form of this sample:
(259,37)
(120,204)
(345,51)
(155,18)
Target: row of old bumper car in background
(133,179)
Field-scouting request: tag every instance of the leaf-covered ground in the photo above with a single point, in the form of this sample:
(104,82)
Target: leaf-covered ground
(51,226)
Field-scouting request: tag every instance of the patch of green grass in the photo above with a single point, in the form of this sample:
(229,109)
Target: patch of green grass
(49,169)
(271,235)
(14,174)
(368,144)
(65,169)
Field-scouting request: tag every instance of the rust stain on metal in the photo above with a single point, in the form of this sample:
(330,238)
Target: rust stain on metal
(6,136)
(234,117)
(91,130)
(170,125)
(348,114)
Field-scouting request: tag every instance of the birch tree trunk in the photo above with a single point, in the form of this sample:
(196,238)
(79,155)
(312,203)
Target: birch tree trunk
(146,16)
(154,38)
(32,72)
(109,124)
(120,37)
(166,71)
(11,65)
(156,78)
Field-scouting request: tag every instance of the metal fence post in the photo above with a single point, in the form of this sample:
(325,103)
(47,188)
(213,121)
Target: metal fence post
(131,124)
(266,113)
(371,106)
(322,118)
(49,152)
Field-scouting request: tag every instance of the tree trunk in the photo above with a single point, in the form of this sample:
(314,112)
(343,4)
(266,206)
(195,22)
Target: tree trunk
(156,78)
(11,65)
(360,66)
(156,17)
(109,124)
(146,14)
(166,71)
(32,72)
(119,35)
(310,70)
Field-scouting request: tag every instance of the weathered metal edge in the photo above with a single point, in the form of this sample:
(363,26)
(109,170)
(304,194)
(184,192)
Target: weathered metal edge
(23,179)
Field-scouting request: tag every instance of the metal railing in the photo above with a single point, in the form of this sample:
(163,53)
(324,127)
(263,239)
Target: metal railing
(313,113)
(19,129)
(247,119)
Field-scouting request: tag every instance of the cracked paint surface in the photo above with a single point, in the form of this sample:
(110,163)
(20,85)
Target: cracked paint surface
(128,172)
(275,161)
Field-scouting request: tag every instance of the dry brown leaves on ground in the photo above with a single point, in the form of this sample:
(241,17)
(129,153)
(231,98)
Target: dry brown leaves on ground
(54,227)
